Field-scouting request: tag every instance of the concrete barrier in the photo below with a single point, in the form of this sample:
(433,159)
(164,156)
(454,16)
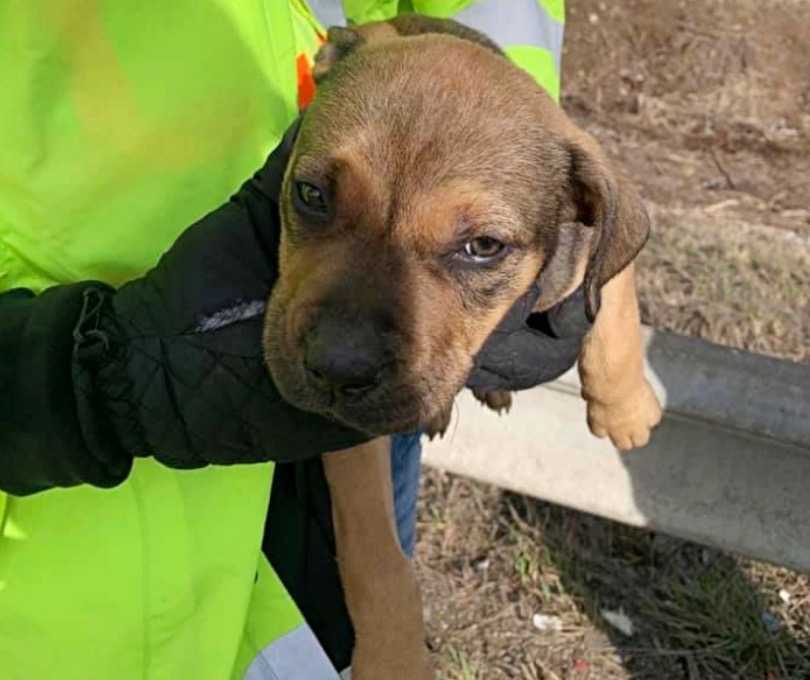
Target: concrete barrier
(729,466)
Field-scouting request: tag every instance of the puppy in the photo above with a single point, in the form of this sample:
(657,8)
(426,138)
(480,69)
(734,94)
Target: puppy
(431,183)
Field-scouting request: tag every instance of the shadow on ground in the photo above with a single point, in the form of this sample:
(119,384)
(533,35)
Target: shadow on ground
(490,561)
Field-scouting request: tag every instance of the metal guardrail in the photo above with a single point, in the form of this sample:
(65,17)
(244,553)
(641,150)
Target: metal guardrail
(729,466)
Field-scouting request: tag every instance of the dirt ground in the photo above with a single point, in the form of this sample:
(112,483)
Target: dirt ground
(706,105)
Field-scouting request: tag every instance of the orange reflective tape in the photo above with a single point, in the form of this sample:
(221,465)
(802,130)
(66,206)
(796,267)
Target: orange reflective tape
(306,83)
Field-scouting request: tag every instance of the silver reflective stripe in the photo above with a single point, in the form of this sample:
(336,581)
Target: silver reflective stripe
(296,656)
(328,12)
(516,22)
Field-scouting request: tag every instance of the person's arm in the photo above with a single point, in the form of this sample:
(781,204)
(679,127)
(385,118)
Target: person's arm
(170,365)
(41,440)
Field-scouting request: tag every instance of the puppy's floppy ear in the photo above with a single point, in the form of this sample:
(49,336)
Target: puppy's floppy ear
(339,42)
(606,202)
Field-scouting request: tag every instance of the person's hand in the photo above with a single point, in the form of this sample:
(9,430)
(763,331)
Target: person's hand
(528,349)
(173,360)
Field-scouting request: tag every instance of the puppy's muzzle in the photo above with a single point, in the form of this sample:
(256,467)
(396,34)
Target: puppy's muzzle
(348,357)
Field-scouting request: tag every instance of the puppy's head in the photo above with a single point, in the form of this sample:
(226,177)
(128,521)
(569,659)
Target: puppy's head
(430,184)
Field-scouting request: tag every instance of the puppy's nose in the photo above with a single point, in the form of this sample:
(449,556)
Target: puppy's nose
(350,357)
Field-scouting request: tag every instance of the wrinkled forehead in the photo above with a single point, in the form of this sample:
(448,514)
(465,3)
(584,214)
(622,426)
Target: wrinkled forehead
(433,124)
(425,110)
(415,91)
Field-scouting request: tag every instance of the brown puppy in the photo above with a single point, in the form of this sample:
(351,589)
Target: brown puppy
(431,183)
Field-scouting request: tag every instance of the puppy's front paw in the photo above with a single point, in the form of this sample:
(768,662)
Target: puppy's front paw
(627,421)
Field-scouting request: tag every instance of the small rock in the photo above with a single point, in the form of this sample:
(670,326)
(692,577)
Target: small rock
(784,595)
(593,17)
(714,184)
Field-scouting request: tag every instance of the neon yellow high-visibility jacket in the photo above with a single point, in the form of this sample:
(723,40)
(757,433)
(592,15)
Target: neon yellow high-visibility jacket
(122,122)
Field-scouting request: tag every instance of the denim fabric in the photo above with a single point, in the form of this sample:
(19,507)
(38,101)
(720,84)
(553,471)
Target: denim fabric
(406,458)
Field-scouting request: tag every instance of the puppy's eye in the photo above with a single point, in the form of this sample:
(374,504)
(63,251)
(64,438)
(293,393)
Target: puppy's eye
(311,197)
(483,249)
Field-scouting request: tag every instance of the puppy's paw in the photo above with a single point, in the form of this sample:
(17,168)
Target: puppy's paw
(627,421)
(499,401)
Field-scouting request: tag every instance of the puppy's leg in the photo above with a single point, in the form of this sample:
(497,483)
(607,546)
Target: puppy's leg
(382,593)
(621,403)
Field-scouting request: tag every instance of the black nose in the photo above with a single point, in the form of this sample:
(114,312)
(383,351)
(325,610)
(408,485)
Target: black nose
(348,355)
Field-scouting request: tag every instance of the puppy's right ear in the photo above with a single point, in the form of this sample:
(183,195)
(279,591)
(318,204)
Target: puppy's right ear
(340,41)
(611,206)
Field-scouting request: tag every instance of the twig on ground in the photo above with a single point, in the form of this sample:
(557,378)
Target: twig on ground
(729,181)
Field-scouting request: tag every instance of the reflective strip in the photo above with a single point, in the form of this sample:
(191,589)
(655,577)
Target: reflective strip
(507,22)
(296,656)
(328,12)
(516,22)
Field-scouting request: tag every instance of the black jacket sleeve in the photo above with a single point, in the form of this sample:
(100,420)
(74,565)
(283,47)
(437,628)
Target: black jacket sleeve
(42,443)
(170,365)
(528,349)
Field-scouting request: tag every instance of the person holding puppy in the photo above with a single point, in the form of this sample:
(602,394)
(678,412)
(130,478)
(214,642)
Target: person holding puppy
(138,532)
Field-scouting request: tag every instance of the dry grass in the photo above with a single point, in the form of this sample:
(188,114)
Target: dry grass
(490,560)
(736,284)
(707,105)
(701,101)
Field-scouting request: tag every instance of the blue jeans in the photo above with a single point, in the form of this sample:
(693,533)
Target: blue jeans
(406,458)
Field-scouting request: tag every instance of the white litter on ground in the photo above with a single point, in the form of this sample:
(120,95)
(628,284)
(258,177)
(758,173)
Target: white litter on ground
(546,623)
(620,621)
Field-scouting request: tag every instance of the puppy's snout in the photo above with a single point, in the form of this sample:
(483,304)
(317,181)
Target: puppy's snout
(349,356)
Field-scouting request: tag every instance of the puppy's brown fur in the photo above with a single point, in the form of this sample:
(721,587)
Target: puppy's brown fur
(424,138)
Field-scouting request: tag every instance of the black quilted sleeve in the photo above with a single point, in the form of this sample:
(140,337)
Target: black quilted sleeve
(169,365)
(182,375)
(43,443)
(528,349)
